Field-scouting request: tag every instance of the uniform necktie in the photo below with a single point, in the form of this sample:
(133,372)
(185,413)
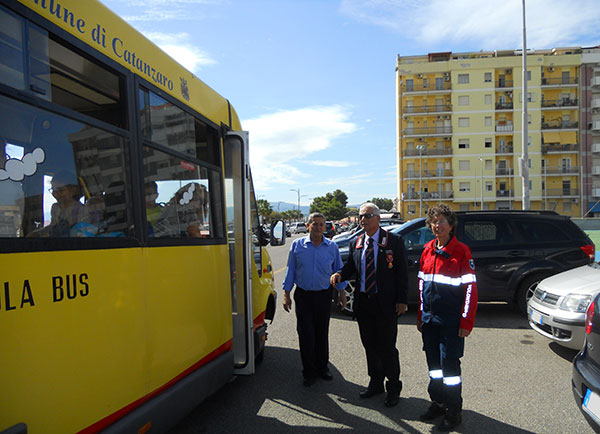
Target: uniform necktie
(370,278)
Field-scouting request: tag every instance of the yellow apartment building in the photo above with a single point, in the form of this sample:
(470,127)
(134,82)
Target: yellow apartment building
(459,131)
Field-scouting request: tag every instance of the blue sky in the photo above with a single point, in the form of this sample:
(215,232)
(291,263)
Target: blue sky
(314,81)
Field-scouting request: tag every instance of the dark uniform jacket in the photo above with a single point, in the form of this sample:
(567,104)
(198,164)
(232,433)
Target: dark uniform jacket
(391,271)
(447,285)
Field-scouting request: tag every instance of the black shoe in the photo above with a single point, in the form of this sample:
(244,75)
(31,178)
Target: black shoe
(392,399)
(433,411)
(450,421)
(371,391)
(326,375)
(309,381)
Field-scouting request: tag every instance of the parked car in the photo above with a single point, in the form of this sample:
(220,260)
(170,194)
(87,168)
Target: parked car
(513,251)
(559,304)
(329,229)
(586,368)
(298,228)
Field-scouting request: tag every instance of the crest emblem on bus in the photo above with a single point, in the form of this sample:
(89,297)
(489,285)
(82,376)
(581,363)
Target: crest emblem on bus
(184,89)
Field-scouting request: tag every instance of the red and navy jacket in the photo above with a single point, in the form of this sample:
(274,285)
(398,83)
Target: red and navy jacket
(447,285)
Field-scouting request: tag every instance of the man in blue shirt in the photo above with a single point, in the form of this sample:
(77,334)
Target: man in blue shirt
(311,262)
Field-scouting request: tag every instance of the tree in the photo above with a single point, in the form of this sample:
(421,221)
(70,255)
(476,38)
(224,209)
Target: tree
(382,203)
(264,209)
(332,205)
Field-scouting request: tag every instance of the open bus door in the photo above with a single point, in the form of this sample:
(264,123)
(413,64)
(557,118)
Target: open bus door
(239,229)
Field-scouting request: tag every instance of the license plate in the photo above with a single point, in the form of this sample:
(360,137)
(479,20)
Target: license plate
(591,403)
(536,316)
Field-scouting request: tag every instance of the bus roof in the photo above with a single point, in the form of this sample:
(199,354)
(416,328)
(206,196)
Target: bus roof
(101,29)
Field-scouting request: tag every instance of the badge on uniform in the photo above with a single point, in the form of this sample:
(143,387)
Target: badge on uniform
(389,256)
(472,264)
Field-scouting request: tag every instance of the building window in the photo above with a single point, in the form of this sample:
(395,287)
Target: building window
(488,142)
(463,78)
(488,121)
(463,100)
(528,75)
(487,77)
(488,186)
(566,206)
(464,165)
(464,186)
(488,164)
(463,143)
(487,99)
(463,122)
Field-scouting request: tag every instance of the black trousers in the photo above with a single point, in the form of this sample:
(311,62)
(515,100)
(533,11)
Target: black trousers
(378,332)
(443,349)
(313,310)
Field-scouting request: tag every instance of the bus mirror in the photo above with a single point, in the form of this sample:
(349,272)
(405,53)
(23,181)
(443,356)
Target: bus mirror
(278,233)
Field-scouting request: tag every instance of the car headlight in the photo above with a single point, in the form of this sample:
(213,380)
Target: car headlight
(576,302)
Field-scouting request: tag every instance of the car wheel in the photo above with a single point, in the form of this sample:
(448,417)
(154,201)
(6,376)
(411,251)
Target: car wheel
(526,291)
(349,309)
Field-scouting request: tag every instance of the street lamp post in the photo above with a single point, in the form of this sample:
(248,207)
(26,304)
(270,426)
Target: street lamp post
(297,190)
(420,149)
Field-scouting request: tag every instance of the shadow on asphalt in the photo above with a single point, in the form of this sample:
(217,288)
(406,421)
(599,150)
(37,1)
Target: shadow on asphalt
(566,353)
(489,315)
(275,401)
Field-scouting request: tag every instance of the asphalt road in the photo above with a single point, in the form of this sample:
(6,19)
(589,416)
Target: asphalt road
(514,381)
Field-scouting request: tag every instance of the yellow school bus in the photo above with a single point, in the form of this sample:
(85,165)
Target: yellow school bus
(133,280)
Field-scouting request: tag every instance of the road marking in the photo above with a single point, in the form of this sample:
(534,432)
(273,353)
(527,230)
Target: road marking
(279,271)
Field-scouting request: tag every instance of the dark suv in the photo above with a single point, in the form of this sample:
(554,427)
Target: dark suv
(512,250)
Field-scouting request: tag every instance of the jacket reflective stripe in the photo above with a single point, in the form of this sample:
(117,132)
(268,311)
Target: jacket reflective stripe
(452,381)
(436,374)
(447,280)
(467,301)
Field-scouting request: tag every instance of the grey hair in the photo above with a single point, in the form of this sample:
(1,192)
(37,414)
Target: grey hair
(371,205)
(314,215)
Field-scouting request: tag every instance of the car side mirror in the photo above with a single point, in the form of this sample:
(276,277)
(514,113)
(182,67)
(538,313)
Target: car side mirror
(278,233)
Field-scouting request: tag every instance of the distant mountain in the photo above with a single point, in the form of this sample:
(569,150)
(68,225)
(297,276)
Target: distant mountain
(286,206)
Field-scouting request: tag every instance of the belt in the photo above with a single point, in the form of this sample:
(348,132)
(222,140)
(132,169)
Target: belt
(311,290)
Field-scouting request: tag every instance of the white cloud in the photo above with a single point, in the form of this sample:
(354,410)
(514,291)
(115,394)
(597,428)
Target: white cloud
(180,48)
(280,140)
(331,163)
(489,25)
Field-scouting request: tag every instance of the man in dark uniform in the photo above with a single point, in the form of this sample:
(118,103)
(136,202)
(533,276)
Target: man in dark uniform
(378,262)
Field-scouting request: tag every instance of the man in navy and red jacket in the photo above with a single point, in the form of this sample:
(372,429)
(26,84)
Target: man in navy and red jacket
(448,303)
(380,296)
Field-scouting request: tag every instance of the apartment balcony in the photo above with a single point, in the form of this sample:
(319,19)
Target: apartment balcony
(561,192)
(561,170)
(559,149)
(596,148)
(559,103)
(435,195)
(504,171)
(505,149)
(429,152)
(559,81)
(505,128)
(558,125)
(443,108)
(596,192)
(438,173)
(595,82)
(595,170)
(504,84)
(504,106)
(504,193)
(433,131)
(433,87)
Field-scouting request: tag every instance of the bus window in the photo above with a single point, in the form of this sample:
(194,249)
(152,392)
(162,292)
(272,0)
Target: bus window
(51,167)
(166,124)
(57,73)
(179,197)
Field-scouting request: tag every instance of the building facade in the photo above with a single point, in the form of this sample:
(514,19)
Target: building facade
(460,130)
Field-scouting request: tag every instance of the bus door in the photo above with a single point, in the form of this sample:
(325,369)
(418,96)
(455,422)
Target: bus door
(239,230)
